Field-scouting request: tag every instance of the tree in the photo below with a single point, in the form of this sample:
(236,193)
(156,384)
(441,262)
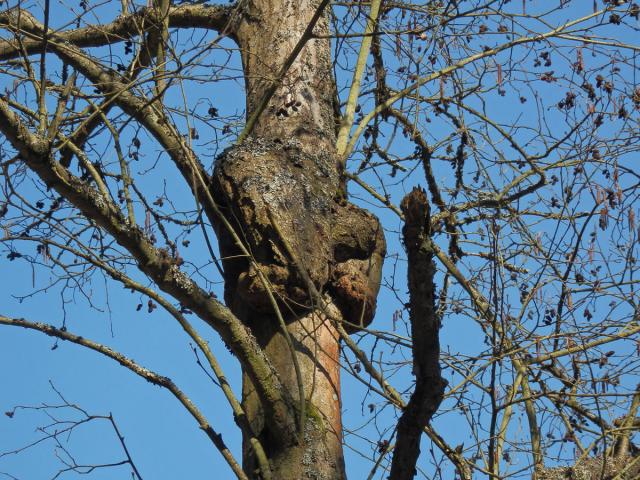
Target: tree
(521,123)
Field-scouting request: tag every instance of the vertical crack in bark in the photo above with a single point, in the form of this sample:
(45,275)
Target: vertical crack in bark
(425,326)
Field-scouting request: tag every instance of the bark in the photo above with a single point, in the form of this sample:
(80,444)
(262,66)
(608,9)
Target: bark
(282,190)
(425,326)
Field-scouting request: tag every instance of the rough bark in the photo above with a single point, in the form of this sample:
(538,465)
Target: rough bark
(425,327)
(318,454)
(281,189)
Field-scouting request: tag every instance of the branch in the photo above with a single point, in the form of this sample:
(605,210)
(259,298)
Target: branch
(489,320)
(240,415)
(425,329)
(356,82)
(118,91)
(210,17)
(148,375)
(452,68)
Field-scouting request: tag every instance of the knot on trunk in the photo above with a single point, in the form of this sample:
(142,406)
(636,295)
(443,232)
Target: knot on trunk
(282,199)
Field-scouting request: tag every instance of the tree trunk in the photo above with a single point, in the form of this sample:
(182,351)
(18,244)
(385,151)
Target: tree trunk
(318,455)
(281,189)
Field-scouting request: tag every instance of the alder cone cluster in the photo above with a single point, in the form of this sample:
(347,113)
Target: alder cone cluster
(286,201)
